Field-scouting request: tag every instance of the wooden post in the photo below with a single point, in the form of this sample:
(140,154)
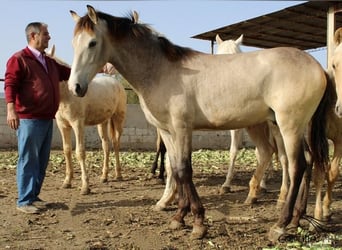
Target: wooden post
(212,46)
(330,36)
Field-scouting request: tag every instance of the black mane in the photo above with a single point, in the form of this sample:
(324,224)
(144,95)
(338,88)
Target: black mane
(123,27)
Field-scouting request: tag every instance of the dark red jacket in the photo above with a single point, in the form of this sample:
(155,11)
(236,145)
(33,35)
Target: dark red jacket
(34,91)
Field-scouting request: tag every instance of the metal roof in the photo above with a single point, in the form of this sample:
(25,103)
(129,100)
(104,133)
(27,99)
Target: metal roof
(303,26)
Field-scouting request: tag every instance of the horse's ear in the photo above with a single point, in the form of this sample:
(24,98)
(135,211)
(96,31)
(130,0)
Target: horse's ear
(218,39)
(239,40)
(75,16)
(338,36)
(51,52)
(92,14)
(135,17)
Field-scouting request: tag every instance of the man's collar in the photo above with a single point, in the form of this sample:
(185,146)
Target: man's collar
(35,52)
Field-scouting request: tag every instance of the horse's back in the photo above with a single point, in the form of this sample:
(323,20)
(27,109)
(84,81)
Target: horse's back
(107,88)
(253,86)
(278,70)
(106,96)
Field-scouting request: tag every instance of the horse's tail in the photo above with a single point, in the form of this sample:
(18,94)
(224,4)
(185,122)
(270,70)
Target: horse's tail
(116,123)
(112,130)
(317,136)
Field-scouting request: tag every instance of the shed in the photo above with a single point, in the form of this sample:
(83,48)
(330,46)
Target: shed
(306,26)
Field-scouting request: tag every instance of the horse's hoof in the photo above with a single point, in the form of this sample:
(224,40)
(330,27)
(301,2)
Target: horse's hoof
(118,178)
(176,225)
(198,232)
(104,180)
(160,181)
(66,185)
(225,190)
(85,191)
(275,233)
(293,224)
(250,200)
(158,207)
(327,215)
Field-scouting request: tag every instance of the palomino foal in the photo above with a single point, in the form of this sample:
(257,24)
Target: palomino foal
(104,106)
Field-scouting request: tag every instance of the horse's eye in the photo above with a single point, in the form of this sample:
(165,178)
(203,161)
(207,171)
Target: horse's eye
(92,44)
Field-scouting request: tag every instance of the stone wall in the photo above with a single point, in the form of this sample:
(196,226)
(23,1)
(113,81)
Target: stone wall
(138,134)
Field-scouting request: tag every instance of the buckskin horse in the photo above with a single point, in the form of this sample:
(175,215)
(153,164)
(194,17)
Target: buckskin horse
(181,90)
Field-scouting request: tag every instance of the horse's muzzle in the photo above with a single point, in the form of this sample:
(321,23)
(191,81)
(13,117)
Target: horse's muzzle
(80,92)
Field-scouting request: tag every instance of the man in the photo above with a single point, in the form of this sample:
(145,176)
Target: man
(32,97)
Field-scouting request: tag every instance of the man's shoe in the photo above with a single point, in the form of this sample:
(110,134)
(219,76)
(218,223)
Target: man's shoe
(39,203)
(28,209)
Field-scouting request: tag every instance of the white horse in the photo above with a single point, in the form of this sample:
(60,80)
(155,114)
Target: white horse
(232,47)
(181,90)
(104,106)
(334,133)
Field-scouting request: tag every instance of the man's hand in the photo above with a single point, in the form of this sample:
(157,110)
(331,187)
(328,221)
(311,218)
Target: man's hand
(12,116)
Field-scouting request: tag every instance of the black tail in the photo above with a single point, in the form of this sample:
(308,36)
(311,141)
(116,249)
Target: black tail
(317,136)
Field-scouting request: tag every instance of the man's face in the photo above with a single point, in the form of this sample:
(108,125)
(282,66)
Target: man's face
(41,39)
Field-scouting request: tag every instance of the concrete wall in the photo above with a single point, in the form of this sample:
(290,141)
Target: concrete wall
(138,134)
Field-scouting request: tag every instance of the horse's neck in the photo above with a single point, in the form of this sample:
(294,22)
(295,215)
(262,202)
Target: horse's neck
(137,67)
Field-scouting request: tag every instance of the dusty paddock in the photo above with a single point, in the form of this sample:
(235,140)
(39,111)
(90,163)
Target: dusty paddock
(120,215)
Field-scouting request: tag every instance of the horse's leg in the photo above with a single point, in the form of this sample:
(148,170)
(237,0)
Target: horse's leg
(294,148)
(263,182)
(318,180)
(303,193)
(236,138)
(170,188)
(284,189)
(102,130)
(332,176)
(280,148)
(179,152)
(80,155)
(116,125)
(67,150)
(162,150)
(259,134)
(155,162)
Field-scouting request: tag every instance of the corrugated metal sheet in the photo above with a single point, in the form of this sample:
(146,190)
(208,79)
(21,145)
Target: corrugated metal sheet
(303,26)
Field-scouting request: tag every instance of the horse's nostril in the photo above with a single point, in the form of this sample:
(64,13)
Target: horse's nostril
(78,89)
(338,111)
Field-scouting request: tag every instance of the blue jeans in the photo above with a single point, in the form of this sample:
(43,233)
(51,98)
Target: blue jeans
(34,143)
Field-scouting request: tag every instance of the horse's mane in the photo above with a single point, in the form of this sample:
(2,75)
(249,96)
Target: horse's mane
(122,27)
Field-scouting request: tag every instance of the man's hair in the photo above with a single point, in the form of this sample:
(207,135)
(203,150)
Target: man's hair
(33,27)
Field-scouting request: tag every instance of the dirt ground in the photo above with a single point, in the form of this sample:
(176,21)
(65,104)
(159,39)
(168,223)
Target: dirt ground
(120,215)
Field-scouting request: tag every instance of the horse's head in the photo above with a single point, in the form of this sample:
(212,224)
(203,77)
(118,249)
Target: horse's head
(337,70)
(90,50)
(228,46)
